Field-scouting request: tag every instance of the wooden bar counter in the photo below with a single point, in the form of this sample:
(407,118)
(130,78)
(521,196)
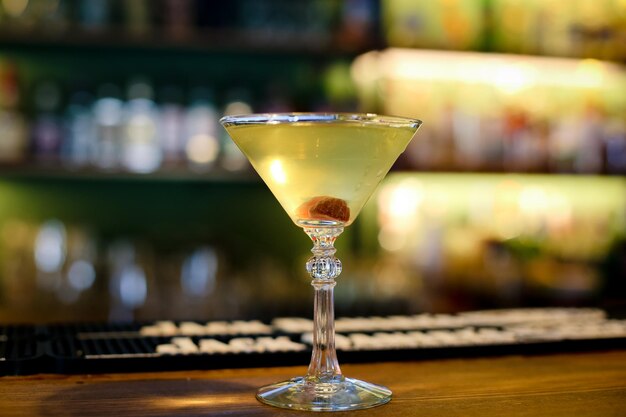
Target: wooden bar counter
(563,385)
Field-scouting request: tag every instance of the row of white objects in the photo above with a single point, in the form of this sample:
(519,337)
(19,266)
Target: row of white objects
(447,321)
(476,337)
(404,340)
(190,328)
(570,331)
(418,339)
(185,345)
(373,324)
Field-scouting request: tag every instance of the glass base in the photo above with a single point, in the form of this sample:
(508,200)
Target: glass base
(302,394)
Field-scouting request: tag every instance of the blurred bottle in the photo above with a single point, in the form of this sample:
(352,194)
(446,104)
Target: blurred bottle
(522,150)
(232,158)
(18,15)
(440,151)
(199,272)
(128,281)
(79,139)
(14,140)
(56,15)
(511,24)
(450,24)
(50,251)
(615,147)
(253,16)
(200,129)
(564,144)
(95,15)
(51,16)
(171,124)
(141,150)
(492,133)
(80,272)
(82,257)
(283,20)
(107,113)
(590,152)
(178,18)
(18,286)
(47,128)
(138,16)
(358,27)
(573,28)
(467,138)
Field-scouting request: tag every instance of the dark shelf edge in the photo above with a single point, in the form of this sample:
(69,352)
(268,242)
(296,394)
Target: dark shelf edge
(215,41)
(178,174)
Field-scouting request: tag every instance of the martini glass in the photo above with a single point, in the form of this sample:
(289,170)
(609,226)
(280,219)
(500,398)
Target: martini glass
(322,168)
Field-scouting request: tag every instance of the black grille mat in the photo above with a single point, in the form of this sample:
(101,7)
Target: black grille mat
(123,347)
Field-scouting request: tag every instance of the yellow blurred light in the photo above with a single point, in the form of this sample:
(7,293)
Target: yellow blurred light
(590,73)
(533,200)
(365,67)
(391,240)
(15,234)
(508,73)
(559,211)
(512,79)
(141,128)
(202,149)
(507,229)
(237,107)
(569,216)
(278,172)
(399,206)
(205,401)
(439,203)
(405,199)
(15,8)
(480,205)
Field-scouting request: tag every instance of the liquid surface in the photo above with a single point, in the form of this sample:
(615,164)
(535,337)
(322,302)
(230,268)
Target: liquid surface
(303,161)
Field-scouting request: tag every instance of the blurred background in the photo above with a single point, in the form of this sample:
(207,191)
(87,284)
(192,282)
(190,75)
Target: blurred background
(121,197)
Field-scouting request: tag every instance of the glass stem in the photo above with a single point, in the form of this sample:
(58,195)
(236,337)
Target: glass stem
(324,268)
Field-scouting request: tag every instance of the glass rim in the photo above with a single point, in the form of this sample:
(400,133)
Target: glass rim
(281,118)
